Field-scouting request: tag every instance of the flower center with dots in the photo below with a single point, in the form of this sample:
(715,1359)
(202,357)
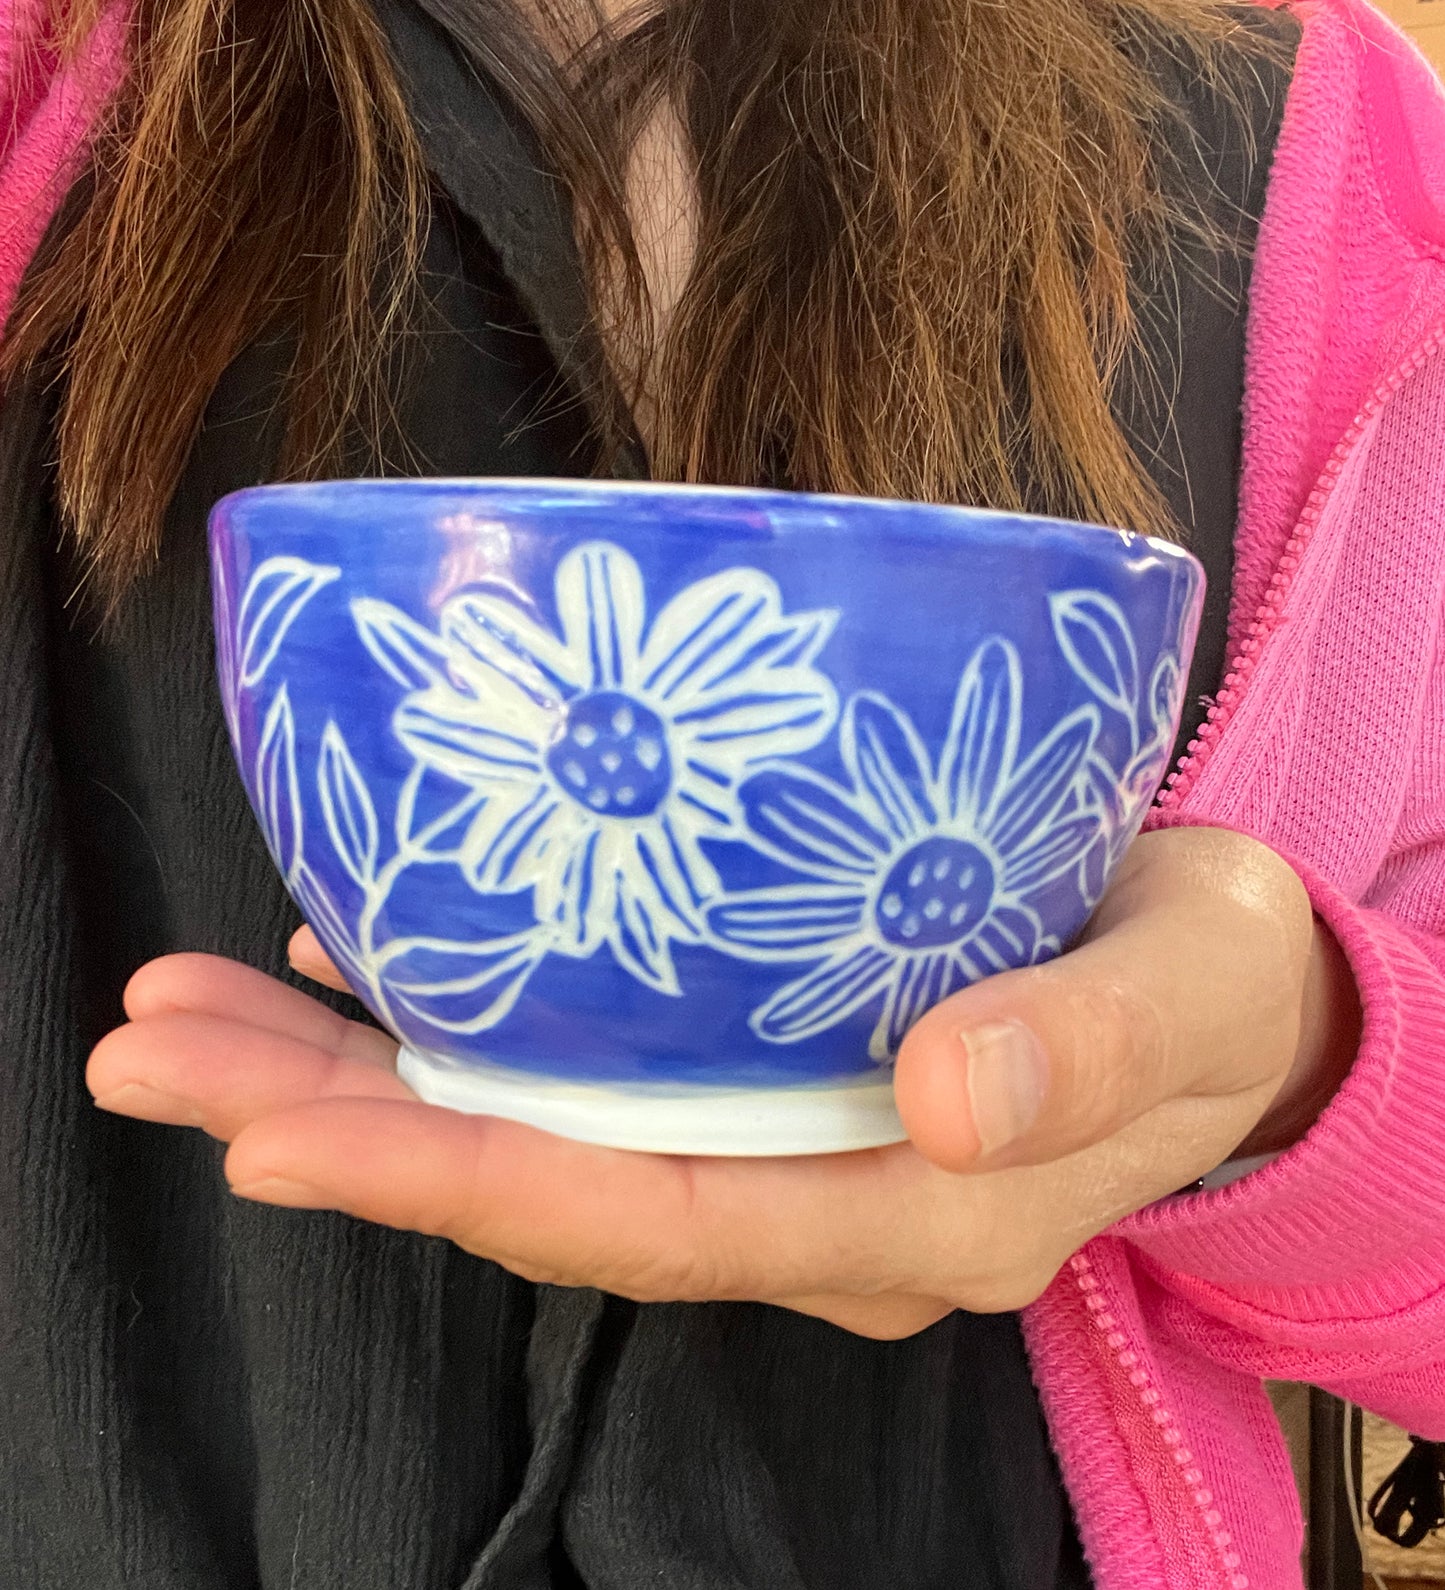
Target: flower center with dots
(935,893)
(611,756)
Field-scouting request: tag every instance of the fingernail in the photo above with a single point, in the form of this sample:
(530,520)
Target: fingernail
(149,1104)
(277,1190)
(1008,1072)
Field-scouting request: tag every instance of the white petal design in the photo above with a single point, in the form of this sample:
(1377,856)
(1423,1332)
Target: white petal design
(499,651)
(969,970)
(1038,789)
(346,805)
(462,739)
(413,656)
(582,899)
(683,846)
(711,699)
(983,737)
(555,899)
(1060,847)
(800,920)
(825,996)
(775,713)
(920,982)
(641,941)
(1006,939)
(275,595)
(890,766)
(720,628)
(506,845)
(810,823)
(702,803)
(729,685)
(820,999)
(601,605)
(674,866)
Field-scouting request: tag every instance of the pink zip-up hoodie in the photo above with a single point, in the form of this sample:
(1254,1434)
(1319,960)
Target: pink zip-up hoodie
(1327,742)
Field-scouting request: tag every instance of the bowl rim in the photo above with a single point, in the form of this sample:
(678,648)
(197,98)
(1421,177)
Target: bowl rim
(936,514)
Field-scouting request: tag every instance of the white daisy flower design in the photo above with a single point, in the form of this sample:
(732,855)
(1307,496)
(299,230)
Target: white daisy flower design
(608,751)
(919,880)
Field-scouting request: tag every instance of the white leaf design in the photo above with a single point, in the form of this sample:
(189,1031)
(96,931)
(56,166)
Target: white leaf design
(413,656)
(331,927)
(347,805)
(461,988)
(1140,772)
(226,672)
(1095,638)
(1101,784)
(277,592)
(432,819)
(277,790)
(1094,869)
(1164,696)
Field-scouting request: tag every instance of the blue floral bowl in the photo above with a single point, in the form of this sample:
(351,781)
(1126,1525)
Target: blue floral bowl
(655,816)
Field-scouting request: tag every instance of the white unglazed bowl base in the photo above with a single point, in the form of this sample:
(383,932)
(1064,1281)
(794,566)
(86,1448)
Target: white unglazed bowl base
(825,1118)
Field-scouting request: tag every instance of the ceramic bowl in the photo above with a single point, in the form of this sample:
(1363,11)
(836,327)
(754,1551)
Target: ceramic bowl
(655,816)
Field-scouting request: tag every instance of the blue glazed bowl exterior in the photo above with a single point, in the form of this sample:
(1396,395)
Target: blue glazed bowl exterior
(647,787)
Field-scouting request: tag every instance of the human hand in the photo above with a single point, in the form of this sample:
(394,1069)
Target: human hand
(1203,1012)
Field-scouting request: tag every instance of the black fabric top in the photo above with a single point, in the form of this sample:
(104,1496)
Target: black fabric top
(200,1394)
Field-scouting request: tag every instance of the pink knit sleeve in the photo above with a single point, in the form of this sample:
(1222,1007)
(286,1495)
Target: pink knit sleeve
(47,112)
(1328,1265)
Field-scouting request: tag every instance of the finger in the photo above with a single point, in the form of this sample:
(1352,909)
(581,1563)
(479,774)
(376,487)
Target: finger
(644,1226)
(209,985)
(188,1069)
(306,955)
(1191,983)
(882,1319)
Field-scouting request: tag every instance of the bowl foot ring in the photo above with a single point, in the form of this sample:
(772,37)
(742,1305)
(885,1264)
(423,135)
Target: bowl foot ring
(669,1118)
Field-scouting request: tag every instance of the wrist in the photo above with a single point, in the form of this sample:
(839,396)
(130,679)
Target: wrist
(1329,1039)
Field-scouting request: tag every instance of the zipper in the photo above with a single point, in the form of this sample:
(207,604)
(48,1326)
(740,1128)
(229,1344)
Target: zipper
(1182,780)
(1094,1290)
(1093,1286)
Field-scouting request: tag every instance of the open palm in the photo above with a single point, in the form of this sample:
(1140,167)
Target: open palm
(1139,1079)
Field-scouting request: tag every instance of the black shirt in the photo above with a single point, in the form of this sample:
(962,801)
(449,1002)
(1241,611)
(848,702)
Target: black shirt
(199,1394)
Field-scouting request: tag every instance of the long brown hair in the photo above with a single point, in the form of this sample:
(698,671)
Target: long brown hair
(916,230)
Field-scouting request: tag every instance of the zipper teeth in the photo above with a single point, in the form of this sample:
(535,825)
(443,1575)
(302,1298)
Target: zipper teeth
(1150,1399)
(1181,781)
(1236,680)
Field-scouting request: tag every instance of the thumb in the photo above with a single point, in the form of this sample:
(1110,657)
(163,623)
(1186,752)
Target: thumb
(1189,984)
